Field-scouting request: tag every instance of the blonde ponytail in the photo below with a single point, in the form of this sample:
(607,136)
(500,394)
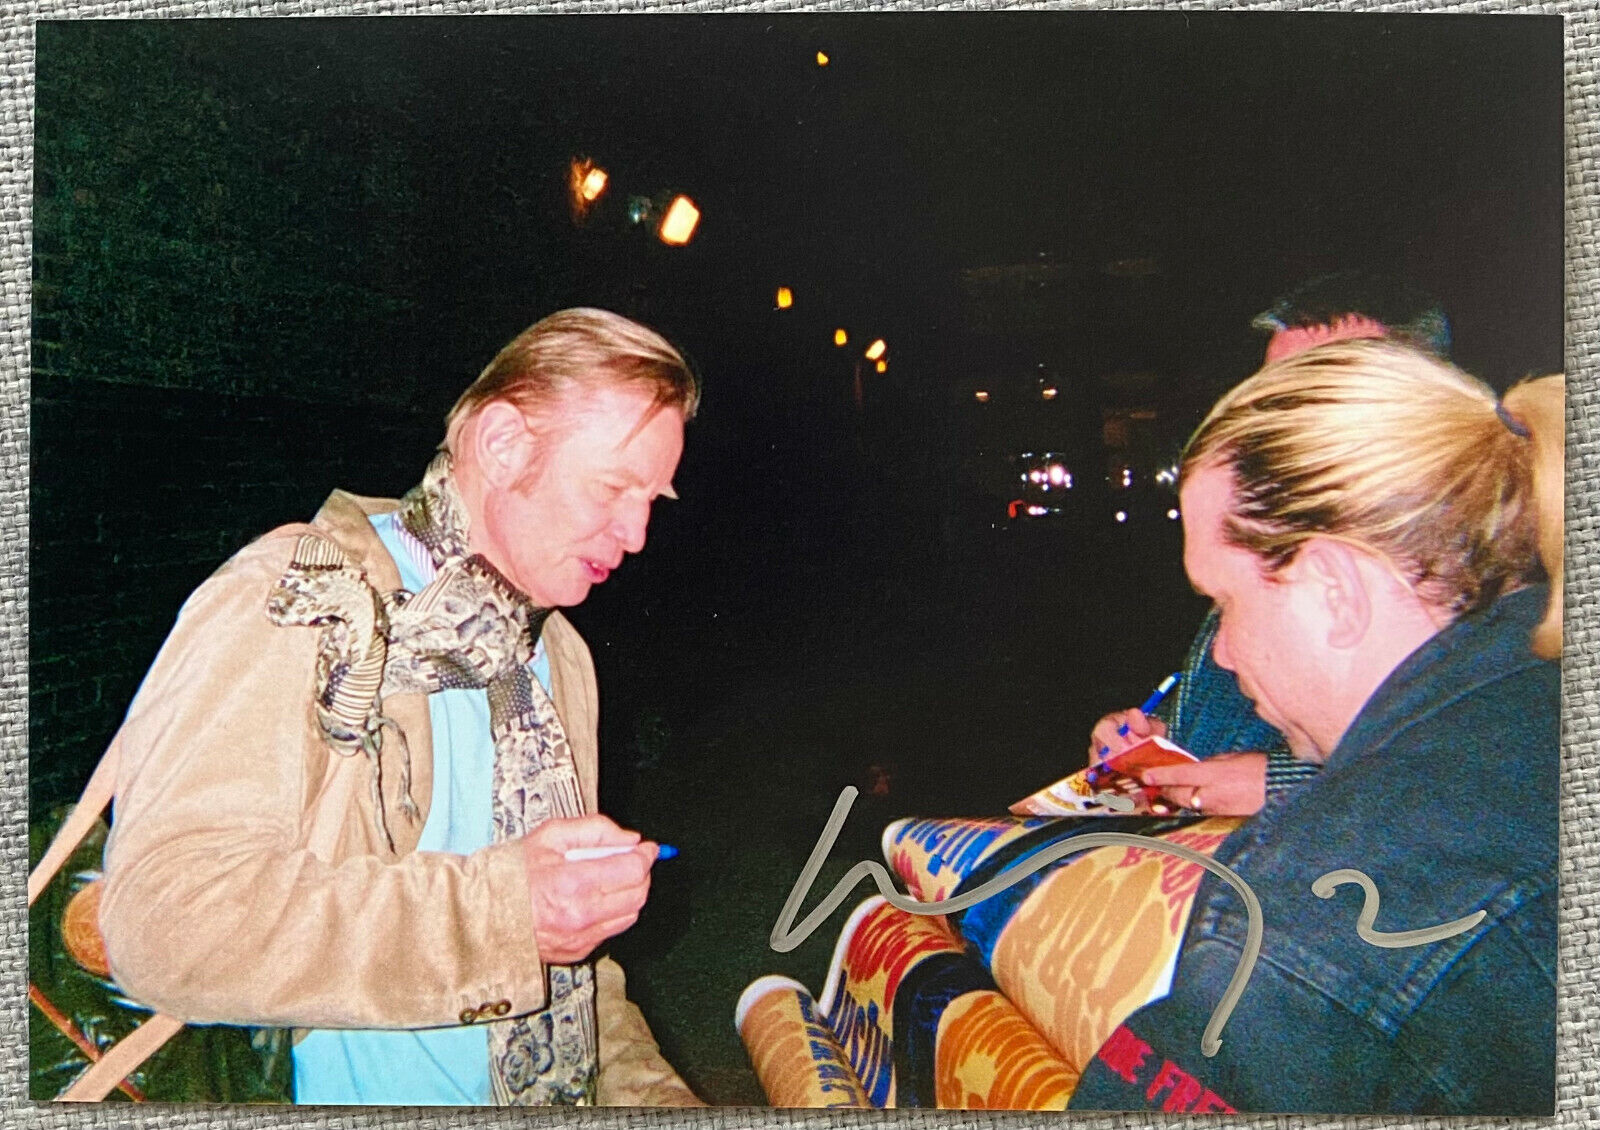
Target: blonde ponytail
(1540,406)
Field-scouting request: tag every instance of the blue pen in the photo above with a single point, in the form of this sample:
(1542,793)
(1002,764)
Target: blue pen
(1146,707)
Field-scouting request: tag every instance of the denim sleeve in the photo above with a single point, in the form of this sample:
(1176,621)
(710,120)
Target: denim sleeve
(1486,1031)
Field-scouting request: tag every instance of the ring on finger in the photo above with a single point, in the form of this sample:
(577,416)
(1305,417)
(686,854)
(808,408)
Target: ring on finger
(1195,801)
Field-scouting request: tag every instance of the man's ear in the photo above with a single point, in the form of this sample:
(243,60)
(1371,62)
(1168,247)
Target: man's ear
(502,444)
(1339,585)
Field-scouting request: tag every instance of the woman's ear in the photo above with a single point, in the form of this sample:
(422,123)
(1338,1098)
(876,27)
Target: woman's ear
(1340,589)
(502,444)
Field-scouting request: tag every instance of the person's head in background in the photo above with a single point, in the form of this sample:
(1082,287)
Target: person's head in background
(1353,304)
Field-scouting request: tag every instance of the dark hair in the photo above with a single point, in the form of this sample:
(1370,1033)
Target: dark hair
(1412,317)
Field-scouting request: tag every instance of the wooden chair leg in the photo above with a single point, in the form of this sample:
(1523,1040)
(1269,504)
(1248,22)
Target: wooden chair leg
(65,1026)
(121,1059)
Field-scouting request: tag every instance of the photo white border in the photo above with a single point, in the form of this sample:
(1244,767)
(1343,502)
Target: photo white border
(1578,1064)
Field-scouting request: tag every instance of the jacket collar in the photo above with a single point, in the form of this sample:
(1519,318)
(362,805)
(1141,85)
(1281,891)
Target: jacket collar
(348,519)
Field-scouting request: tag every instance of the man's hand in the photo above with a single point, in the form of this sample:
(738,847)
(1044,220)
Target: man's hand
(578,905)
(1104,735)
(1229,784)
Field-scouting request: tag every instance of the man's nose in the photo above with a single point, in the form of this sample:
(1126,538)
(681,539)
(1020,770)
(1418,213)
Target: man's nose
(629,526)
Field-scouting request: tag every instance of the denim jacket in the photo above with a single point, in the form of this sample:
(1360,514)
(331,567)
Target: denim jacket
(1444,791)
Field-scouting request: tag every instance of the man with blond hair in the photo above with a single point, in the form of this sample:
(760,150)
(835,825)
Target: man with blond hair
(354,781)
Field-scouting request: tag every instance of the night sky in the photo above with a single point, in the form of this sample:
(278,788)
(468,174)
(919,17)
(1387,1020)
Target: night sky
(1241,153)
(1102,198)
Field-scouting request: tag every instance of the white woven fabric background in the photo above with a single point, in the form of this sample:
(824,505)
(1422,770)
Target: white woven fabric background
(1579,1056)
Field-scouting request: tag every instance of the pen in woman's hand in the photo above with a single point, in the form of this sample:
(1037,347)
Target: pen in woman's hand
(1149,704)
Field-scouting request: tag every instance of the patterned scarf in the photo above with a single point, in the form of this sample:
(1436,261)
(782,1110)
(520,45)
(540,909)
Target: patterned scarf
(468,628)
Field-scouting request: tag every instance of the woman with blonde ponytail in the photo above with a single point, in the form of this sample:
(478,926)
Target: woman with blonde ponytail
(1382,538)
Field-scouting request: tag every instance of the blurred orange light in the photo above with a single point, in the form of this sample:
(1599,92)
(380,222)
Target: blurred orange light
(586,181)
(883,366)
(785,298)
(981,396)
(822,59)
(876,350)
(677,226)
(1048,394)
(594,183)
(840,337)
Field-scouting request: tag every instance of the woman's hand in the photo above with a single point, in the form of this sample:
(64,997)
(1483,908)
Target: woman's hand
(1104,735)
(1229,784)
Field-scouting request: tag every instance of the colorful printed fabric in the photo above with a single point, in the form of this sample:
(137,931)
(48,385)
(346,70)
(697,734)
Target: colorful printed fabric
(1001,1005)
(794,1051)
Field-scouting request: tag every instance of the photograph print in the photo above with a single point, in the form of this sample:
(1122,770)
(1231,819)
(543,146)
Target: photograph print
(1003,560)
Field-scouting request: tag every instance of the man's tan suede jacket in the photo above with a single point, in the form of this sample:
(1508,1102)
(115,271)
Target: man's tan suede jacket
(246,879)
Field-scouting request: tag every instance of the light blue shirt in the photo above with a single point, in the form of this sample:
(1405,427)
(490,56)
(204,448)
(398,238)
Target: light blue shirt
(431,1066)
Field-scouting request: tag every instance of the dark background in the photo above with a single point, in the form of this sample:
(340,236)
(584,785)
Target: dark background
(270,254)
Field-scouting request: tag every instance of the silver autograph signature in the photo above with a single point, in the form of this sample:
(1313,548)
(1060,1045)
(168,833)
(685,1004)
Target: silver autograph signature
(786,936)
